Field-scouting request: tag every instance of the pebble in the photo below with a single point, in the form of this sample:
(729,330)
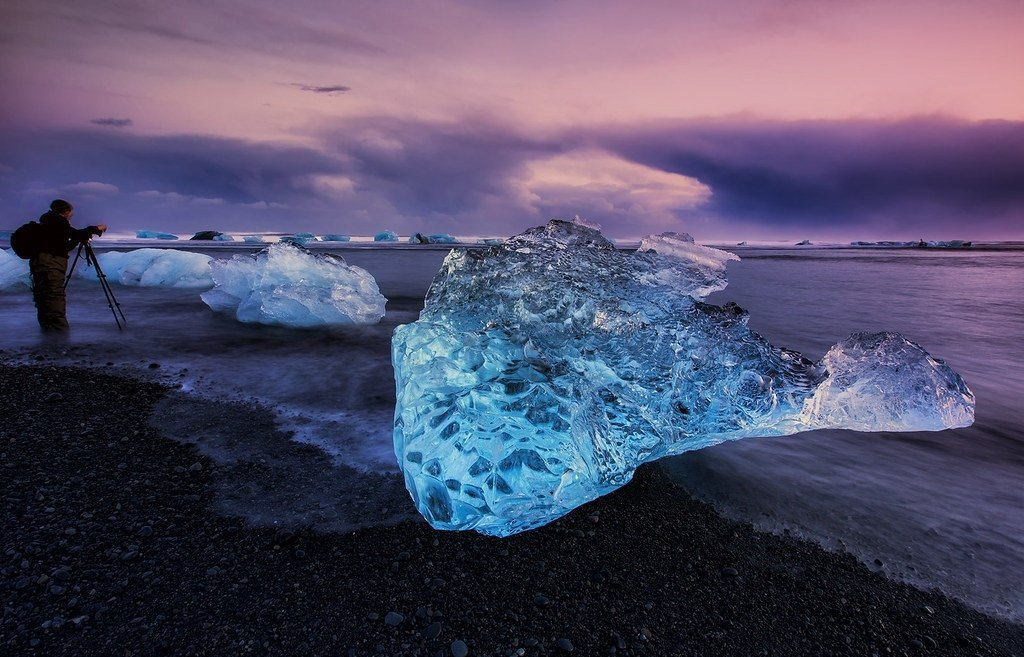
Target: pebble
(433,631)
(729,571)
(916,643)
(541,601)
(146,530)
(54,397)
(929,642)
(565,644)
(196,467)
(393,618)
(459,648)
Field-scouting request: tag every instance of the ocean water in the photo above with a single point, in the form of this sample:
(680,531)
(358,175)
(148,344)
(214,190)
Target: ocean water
(940,510)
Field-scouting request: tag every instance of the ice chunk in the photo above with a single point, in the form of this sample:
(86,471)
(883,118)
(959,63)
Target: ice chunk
(154,235)
(386,236)
(206,235)
(286,285)
(151,268)
(223,237)
(543,372)
(436,238)
(252,239)
(334,237)
(299,238)
(13,272)
(804,243)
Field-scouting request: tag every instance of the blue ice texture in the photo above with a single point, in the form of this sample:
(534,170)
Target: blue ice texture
(154,235)
(223,237)
(287,285)
(541,373)
(335,237)
(151,268)
(252,239)
(386,236)
(14,274)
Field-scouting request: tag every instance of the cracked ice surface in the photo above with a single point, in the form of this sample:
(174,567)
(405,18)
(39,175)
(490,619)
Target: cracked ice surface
(543,372)
(287,285)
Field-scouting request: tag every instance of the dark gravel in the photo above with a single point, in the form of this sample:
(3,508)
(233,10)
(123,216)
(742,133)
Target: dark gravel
(111,545)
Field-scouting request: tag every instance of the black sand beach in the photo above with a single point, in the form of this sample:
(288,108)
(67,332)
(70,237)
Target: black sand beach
(118,540)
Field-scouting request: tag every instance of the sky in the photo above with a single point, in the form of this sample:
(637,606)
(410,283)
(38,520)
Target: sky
(730,120)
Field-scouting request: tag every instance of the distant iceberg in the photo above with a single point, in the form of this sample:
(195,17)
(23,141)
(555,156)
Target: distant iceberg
(386,236)
(206,235)
(223,237)
(287,285)
(13,272)
(436,238)
(334,237)
(252,239)
(152,268)
(299,238)
(804,243)
(154,235)
(541,373)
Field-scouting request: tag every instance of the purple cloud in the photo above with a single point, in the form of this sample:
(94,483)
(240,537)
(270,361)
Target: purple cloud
(113,123)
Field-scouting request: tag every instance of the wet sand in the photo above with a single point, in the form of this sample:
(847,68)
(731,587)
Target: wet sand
(139,521)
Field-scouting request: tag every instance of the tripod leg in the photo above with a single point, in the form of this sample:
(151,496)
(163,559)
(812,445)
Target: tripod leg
(78,254)
(107,292)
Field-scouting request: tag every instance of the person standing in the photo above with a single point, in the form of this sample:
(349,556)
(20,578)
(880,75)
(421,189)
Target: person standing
(50,264)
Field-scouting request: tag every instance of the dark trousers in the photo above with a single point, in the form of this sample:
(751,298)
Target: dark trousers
(48,272)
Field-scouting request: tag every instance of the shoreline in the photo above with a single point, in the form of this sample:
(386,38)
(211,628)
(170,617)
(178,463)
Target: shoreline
(128,533)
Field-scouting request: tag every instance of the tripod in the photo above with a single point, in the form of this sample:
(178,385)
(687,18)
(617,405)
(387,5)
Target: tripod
(91,261)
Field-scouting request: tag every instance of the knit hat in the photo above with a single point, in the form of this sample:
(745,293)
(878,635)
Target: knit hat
(60,206)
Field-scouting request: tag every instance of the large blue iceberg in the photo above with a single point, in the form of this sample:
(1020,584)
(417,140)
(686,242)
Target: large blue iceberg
(152,268)
(287,285)
(542,372)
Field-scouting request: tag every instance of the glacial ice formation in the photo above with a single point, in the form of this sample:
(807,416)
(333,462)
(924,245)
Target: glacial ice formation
(151,268)
(299,238)
(252,239)
(286,285)
(335,237)
(543,372)
(13,272)
(223,237)
(386,236)
(155,234)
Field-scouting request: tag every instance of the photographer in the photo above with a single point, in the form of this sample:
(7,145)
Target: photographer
(49,267)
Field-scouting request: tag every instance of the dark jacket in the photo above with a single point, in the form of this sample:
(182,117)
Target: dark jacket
(59,236)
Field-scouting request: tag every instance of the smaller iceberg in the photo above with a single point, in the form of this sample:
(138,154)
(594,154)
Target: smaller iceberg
(804,243)
(223,237)
(154,235)
(287,285)
(252,239)
(5,235)
(494,241)
(206,235)
(152,268)
(13,272)
(436,238)
(299,238)
(335,237)
(386,236)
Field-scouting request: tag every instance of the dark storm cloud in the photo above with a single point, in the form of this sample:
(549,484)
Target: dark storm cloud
(151,171)
(330,89)
(917,172)
(433,167)
(113,123)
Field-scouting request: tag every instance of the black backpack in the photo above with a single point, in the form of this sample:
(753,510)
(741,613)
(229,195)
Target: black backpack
(26,242)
